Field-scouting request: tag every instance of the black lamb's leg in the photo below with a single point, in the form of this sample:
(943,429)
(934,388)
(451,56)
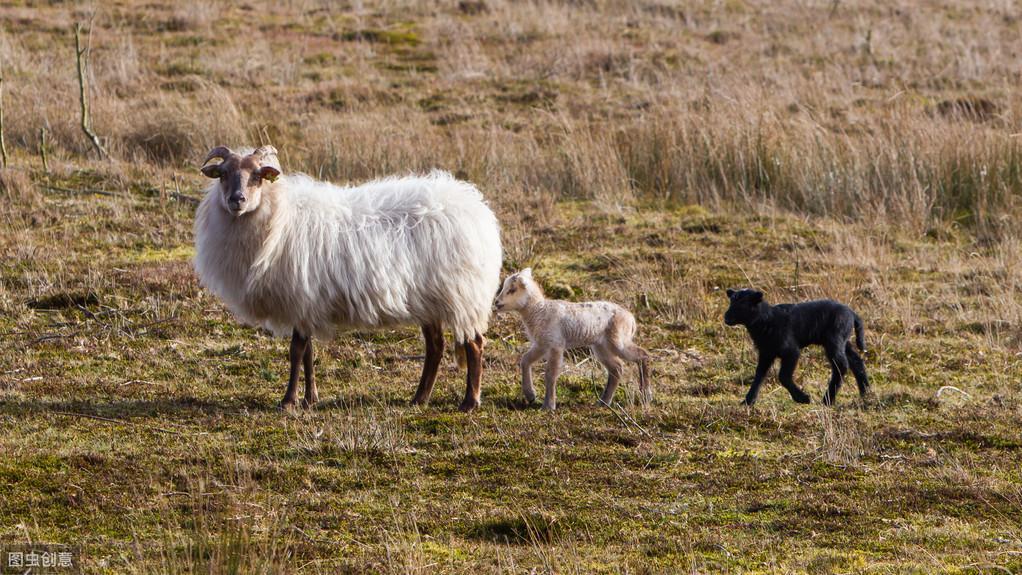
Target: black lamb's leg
(838,369)
(762,367)
(311,393)
(298,344)
(434,336)
(787,377)
(858,369)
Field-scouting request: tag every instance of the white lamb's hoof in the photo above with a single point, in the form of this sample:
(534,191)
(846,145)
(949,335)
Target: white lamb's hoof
(549,406)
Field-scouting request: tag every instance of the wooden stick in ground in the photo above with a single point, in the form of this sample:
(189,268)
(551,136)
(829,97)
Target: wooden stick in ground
(81,55)
(3,145)
(42,149)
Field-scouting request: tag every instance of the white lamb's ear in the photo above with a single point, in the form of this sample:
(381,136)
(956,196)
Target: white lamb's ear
(526,273)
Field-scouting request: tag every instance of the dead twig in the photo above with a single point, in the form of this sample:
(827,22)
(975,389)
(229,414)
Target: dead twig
(84,192)
(82,60)
(185,198)
(626,419)
(42,150)
(135,329)
(49,336)
(952,388)
(114,420)
(3,145)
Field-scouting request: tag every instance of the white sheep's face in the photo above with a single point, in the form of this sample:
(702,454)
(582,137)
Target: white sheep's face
(243,178)
(516,293)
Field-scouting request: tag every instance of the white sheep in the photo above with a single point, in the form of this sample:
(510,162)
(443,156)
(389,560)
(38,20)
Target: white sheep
(554,326)
(303,257)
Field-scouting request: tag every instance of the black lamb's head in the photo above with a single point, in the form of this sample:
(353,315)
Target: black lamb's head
(744,308)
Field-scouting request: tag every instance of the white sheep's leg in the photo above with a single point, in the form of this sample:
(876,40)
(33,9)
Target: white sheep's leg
(298,344)
(434,336)
(311,393)
(553,369)
(530,357)
(615,368)
(473,378)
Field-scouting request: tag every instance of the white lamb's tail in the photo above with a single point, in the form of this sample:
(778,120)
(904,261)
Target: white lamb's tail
(622,339)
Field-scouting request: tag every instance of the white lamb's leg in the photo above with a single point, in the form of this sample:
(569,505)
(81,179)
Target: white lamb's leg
(553,369)
(609,359)
(530,357)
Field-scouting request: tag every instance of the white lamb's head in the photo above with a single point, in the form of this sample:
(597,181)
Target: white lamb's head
(519,290)
(242,178)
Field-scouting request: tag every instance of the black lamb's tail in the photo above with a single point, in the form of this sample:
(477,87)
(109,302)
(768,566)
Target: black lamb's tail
(860,338)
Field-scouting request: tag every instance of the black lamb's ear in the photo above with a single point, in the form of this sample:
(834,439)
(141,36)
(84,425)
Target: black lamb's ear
(757,296)
(212,171)
(730,293)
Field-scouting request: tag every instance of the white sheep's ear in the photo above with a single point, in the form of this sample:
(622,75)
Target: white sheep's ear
(526,273)
(212,171)
(269,173)
(268,162)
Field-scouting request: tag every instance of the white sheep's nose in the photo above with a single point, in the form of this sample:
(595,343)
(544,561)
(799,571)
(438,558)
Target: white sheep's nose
(236,202)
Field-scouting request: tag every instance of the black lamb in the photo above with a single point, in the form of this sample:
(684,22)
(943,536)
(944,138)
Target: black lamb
(783,330)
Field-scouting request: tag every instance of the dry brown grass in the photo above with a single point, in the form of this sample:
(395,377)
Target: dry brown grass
(902,113)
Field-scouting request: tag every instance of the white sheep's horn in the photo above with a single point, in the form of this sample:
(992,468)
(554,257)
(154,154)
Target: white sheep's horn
(263,151)
(267,156)
(222,152)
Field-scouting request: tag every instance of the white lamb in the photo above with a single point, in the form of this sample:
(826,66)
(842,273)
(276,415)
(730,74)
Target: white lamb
(303,257)
(554,326)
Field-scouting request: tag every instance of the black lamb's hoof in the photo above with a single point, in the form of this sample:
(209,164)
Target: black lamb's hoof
(804,398)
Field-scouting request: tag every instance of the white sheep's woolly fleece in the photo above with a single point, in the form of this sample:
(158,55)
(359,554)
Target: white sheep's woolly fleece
(317,256)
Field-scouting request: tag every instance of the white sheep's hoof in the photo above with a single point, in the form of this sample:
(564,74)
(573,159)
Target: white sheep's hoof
(549,406)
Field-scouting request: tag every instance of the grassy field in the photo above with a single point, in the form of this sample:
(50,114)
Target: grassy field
(651,152)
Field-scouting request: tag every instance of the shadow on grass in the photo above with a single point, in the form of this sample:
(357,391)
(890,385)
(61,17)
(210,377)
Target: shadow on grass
(439,401)
(134,408)
(187,407)
(515,404)
(361,400)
